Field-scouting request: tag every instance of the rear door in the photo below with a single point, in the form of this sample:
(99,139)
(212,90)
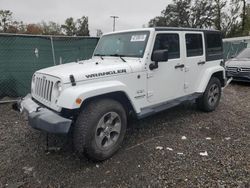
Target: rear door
(195,60)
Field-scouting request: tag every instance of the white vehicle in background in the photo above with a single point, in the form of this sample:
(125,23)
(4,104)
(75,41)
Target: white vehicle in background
(138,72)
(239,67)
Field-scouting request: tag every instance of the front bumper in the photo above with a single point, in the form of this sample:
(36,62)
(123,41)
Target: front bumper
(239,76)
(43,119)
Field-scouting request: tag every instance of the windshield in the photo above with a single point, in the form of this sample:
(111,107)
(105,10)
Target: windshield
(245,53)
(131,44)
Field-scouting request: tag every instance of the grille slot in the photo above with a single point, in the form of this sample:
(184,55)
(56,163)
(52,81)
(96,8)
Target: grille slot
(43,88)
(245,69)
(232,69)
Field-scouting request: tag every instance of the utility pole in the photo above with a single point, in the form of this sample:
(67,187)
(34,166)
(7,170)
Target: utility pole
(114,18)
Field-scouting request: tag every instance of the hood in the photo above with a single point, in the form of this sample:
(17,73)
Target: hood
(89,69)
(243,62)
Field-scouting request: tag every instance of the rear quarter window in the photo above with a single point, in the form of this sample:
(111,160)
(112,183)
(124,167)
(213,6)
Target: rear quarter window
(214,46)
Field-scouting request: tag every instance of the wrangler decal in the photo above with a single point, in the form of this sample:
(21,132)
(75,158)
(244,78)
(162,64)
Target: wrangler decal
(106,73)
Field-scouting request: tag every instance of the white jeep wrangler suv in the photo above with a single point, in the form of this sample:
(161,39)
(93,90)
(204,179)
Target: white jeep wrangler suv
(138,72)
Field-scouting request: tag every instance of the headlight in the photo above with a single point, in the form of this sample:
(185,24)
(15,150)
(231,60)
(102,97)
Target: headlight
(58,89)
(59,86)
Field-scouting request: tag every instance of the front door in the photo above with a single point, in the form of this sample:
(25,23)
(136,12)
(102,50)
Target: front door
(167,81)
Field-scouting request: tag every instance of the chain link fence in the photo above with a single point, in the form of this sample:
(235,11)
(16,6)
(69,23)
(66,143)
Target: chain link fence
(233,46)
(22,55)
(231,49)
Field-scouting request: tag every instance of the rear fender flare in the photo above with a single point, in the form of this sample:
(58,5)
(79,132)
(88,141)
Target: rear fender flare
(207,76)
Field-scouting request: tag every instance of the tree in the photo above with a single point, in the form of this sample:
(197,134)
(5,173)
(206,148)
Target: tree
(230,23)
(12,29)
(34,29)
(8,25)
(201,14)
(219,15)
(51,28)
(5,20)
(16,27)
(244,14)
(21,27)
(185,13)
(69,27)
(232,17)
(159,21)
(99,33)
(175,15)
(247,26)
(82,26)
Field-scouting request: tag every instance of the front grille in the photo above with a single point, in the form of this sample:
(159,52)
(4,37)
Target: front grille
(238,69)
(43,88)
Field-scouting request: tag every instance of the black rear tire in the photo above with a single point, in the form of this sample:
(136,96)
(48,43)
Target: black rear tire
(210,99)
(92,134)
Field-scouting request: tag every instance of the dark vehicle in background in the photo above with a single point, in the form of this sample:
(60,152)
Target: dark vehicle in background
(239,67)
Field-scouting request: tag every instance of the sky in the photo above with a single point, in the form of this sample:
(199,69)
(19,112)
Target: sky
(132,13)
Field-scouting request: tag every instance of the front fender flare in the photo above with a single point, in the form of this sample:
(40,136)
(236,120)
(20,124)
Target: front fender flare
(68,97)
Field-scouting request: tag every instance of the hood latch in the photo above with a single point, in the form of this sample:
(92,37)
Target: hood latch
(72,80)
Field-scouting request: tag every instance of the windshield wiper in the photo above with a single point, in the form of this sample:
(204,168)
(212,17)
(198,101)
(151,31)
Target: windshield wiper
(120,56)
(100,55)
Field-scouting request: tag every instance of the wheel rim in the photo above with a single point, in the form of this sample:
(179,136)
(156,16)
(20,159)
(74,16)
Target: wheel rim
(213,94)
(108,130)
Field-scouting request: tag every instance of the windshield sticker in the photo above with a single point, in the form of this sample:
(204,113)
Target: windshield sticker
(138,38)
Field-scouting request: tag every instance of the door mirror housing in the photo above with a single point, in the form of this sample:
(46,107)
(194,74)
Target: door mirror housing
(160,56)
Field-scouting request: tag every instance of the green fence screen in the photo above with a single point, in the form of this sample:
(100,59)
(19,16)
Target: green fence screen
(231,49)
(22,55)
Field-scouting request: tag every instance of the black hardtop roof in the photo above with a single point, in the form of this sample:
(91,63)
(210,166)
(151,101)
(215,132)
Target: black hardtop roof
(184,29)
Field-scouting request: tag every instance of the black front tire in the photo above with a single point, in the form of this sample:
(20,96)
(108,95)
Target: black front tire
(210,99)
(88,129)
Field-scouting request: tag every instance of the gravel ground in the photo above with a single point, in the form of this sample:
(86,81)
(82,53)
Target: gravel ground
(180,147)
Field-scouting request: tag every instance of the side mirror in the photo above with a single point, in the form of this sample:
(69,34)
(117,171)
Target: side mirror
(233,56)
(158,56)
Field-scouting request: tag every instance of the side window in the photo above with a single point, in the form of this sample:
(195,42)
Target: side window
(214,46)
(194,45)
(170,42)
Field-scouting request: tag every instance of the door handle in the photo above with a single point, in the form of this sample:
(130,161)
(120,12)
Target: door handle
(179,66)
(201,63)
